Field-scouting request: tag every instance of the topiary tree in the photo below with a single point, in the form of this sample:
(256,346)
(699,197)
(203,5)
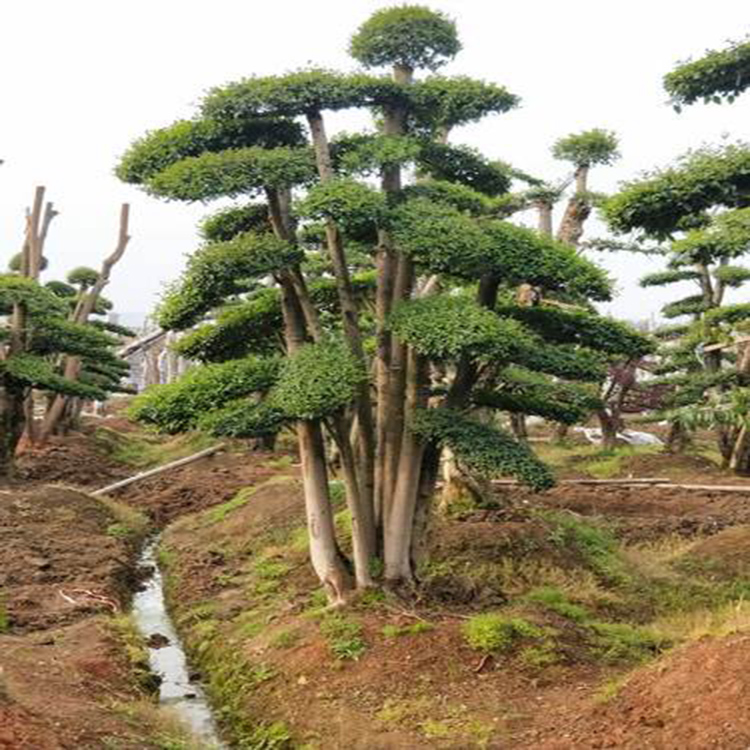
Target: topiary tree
(89,285)
(717,76)
(682,204)
(392,303)
(35,332)
(583,150)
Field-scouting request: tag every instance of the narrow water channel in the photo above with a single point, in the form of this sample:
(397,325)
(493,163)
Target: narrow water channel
(186,698)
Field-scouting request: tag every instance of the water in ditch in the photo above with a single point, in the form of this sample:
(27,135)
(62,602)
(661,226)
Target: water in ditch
(167,657)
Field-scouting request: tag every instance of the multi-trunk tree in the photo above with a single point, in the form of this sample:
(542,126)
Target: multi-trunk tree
(375,262)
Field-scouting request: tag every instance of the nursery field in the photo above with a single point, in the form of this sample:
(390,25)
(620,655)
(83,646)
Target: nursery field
(415,448)
(586,616)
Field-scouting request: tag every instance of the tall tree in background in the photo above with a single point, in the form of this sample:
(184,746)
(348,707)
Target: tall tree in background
(388,297)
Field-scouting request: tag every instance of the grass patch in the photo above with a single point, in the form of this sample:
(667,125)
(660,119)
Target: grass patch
(396,631)
(619,641)
(555,600)
(219,512)
(165,730)
(143,450)
(594,545)
(494,632)
(344,636)
(128,523)
(284,639)
(133,646)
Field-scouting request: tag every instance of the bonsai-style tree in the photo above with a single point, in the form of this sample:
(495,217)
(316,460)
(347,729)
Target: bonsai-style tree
(717,76)
(584,151)
(35,331)
(392,304)
(89,285)
(683,205)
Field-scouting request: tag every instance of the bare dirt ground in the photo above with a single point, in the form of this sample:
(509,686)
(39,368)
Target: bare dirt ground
(62,668)
(63,572)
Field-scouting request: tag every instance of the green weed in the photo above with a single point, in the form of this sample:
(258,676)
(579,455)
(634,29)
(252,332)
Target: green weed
(494,632)
(344,636)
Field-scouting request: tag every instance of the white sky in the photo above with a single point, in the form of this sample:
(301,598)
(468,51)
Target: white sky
(82,78)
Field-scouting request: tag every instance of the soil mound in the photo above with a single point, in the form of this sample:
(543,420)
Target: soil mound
(726,554)
(697,698)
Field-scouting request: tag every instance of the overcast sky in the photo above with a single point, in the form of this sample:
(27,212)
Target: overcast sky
(83,78)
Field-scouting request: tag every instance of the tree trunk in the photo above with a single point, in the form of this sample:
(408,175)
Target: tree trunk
(577,211)
(12,425)
(326,558)
(399,521)
(609,426)
(395,280)
(677,439)
(365,470)
(360,509)
(545,217)
(518,426)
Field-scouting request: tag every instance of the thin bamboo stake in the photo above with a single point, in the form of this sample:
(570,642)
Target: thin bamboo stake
(158,470)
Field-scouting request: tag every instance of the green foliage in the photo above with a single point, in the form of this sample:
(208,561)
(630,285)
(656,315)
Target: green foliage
(731,314)
(520,255)
(732,276)
(465,166)
(218,270)
(351,204)
(242,171)
(55,334)
(494,633)
(243,419)
(301,92)
(562,360)
(32,370)
(692,305)
(449,193)
(317,380)
(616,641)
(581,327)
(36,299)
(718,75)
(525,392)
(227,223)
(445,240)
(366,153)
(82,277)
(671,276)
(725,236)
(442,238)
(659,202)
(410,36)
(481,448)
(587,148)
(178,407)
(250,327)
(61,289)
(445,326)
(396,631)
(160,149)
(439,103)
